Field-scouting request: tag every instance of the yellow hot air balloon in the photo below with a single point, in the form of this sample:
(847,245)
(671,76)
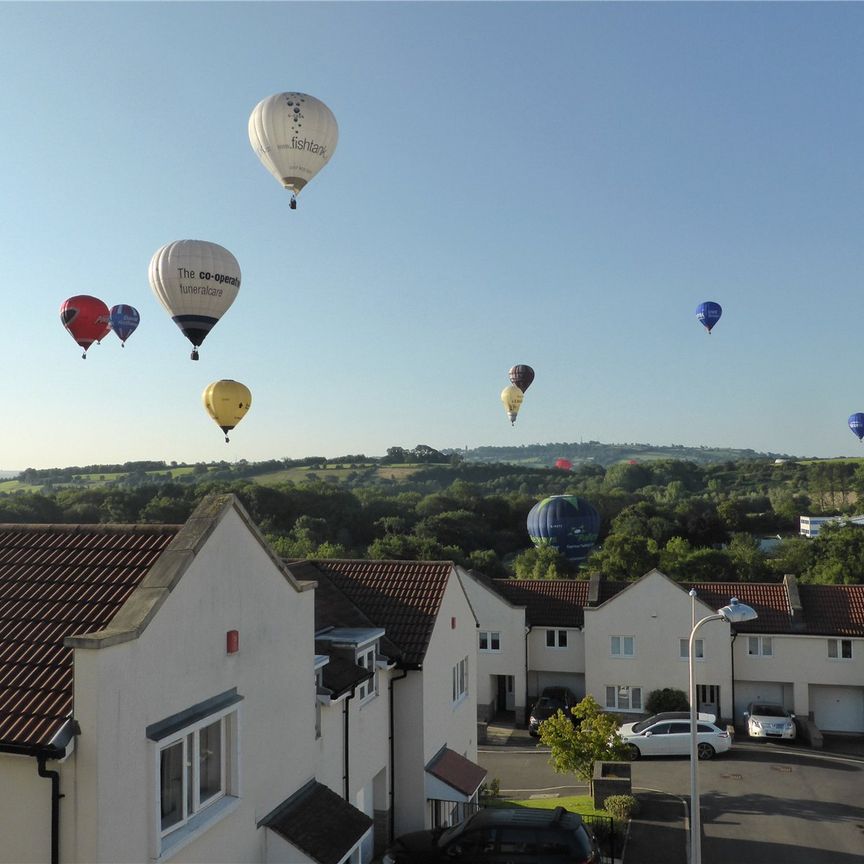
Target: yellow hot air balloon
(512,398)
(227,402)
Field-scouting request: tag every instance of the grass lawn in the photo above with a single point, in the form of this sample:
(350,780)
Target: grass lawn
(581,804)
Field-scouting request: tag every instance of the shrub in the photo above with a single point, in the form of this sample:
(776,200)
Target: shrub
(667,699)
(490,789)
(621,806)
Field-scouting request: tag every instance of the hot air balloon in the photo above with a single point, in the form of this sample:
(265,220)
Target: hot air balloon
(521,376)
(294,135)
(567,523)
(87,319)
(708,314)
(512,398)
(563,464)
(196,282)
(124,321)
(856,424)
(227,402)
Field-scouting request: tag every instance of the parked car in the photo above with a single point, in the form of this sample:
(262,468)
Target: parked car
(769,720)
(551,701)
(672,738)
(501,836)
(648,722)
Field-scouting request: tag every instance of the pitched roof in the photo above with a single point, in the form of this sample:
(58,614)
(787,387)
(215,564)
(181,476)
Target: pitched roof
(836,610)
(553,602)
(320,823)
(58,581)
(769,599)
(456,771)
(403,597)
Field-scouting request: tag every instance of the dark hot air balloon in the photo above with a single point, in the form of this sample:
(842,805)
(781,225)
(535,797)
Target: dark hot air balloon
(521,376)
(708,314)
(567,523)
(124,321)
(856,424)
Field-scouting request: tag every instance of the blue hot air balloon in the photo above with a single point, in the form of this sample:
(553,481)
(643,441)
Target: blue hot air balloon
(856,424)
(567,523)
(124,320)
(708,314)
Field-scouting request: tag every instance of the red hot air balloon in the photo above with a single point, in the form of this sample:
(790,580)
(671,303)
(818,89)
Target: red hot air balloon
(563,464)
(87,319)
(521,376)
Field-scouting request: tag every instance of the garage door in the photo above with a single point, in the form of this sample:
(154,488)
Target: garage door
(837,709)
(761,691)
(562,679)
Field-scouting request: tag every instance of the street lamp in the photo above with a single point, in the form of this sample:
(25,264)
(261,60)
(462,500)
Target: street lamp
(734,613)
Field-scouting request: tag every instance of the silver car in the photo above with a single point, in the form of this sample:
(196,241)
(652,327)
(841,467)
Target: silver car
(769,720)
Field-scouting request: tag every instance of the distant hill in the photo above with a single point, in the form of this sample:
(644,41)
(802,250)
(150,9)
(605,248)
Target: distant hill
(6,475)
(544,455)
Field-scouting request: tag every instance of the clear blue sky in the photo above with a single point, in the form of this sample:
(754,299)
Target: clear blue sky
(552,184)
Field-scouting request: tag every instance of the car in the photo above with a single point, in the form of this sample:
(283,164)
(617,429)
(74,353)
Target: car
(770,720)
(638,726)
(673,738)
(501,835)
(551,701)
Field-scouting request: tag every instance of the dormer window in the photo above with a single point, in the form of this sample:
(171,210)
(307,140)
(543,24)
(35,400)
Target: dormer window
(366,658)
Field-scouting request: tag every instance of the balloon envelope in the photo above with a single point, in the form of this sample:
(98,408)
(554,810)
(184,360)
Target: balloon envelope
(563,464)
(856,424)
(227,402)
(86,318)
(124,321)
(512,398)
(708,314)
(521,376)
(567,523)
(294,135)
(196,282)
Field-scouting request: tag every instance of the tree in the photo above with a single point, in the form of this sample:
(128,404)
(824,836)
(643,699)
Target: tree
(624,557)
(576,749)
(541,562)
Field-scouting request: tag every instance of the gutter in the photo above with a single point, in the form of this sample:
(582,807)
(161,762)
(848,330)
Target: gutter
(58,748)
(392,742)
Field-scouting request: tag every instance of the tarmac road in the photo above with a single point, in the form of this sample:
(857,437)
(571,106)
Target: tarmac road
(762,803)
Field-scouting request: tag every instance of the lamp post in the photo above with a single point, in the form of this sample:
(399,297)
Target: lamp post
(734,613)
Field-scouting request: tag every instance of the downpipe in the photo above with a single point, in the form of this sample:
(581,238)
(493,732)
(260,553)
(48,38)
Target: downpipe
(56,795)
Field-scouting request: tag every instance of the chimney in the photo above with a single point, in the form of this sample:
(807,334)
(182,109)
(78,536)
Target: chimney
(594,589)
(790,583)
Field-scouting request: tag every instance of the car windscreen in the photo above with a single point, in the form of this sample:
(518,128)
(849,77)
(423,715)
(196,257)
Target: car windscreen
(768,711)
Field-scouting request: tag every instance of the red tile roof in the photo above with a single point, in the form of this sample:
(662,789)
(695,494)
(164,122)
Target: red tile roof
(456,771)
(58,581)
(554,602)
(833,610)
(769,599)
(403,597)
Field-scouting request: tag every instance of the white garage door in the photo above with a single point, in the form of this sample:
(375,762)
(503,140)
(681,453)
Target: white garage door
(837,709)
(760,691)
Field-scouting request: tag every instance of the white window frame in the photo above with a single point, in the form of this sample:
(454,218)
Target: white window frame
(490,641)
(616,692)
(761,643)
(198,815)
(460,681)
(837,645)
(556,638)
(618,646)
(367,689)
(684,649)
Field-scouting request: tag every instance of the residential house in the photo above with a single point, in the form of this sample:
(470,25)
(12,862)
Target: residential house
(157,698)
(415,618)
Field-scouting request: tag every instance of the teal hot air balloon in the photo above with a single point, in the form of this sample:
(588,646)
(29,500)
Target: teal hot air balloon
(567,523)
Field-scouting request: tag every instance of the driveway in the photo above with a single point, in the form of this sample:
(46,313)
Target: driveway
(762,803)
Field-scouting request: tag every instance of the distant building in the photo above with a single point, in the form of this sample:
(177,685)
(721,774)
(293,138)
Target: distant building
(810,525)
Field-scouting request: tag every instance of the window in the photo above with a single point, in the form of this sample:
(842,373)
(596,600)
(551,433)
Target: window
(684,649)
(840,649)
(196,769)
(460,680)
(760,646)
(622,646)
(556,638)
(490,640)
(624,698)
(368,688)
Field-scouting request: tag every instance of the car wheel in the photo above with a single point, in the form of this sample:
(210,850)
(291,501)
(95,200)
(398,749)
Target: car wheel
(705,750)
(633,752)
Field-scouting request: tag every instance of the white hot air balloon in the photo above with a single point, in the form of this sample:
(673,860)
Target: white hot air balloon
(196,282)
(294,135)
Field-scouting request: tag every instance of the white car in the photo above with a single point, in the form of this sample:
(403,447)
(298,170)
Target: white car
(671,737)
(769,720)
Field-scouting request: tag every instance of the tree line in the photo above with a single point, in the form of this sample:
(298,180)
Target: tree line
(695,522)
